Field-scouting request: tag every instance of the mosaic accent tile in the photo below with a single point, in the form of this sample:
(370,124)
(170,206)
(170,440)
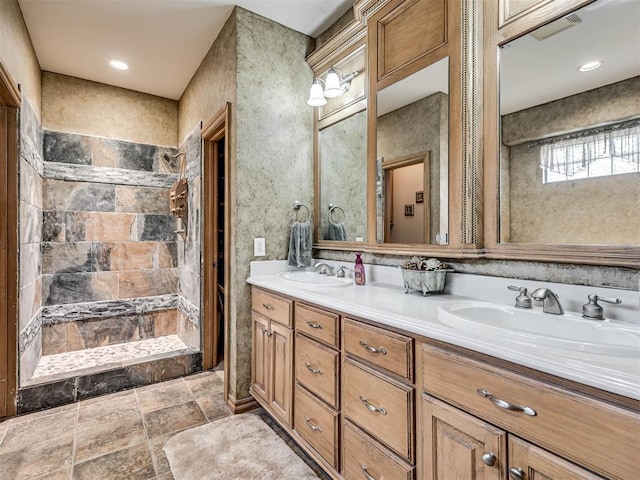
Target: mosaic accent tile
(191,311)
(105,309)
(30,353)
(104,175)
(29,301)
(108,355)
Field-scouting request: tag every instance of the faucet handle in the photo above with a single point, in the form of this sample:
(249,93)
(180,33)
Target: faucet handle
(523,300)
(341,271)
(592,310)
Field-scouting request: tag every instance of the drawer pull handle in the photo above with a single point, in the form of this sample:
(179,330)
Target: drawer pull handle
(268,307)
(489,459)
(516,473)
(313,427)
(312,370)
(372,407)
(314,325)
(365,473)
(371,349)
(506,405)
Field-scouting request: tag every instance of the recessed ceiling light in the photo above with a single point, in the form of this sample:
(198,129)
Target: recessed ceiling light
(118,64)
(587,67)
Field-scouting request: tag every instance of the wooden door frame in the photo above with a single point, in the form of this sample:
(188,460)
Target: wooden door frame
(10,101)
(215,130)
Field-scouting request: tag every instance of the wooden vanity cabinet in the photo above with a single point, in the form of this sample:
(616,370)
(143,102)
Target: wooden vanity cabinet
(362,414)
(272,353)
(540,419)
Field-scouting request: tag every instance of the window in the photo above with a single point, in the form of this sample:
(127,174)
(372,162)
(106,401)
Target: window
(611,150)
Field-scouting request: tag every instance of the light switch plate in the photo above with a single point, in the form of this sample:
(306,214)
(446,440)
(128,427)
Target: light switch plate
(259,247)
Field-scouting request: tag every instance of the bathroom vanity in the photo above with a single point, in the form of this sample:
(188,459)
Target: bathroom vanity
(371,384)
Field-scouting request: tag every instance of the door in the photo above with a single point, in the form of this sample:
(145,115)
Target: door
(528,462)
(458,446)
(9,103)
(215,242)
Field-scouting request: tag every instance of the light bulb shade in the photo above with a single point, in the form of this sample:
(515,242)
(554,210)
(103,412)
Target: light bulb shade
(316,98)
(332,87)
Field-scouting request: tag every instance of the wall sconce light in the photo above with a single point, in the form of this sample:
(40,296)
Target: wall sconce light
(334,85)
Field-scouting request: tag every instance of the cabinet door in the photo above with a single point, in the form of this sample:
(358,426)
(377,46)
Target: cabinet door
(528,462)
(281,386)
(458,446)
(260,357)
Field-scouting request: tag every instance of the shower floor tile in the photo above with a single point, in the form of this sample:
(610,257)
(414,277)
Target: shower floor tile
(110,355)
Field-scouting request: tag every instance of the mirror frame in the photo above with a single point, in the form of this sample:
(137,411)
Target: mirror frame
(495,35)
(462,48)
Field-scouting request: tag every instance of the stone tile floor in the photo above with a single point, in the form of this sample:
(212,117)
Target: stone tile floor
(112,437)
(68,362)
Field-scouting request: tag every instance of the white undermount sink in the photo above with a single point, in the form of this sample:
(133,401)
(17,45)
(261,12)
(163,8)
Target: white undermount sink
(314,279)
(567,332)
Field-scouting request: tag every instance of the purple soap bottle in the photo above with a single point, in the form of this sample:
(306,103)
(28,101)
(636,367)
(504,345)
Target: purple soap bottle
(358,270)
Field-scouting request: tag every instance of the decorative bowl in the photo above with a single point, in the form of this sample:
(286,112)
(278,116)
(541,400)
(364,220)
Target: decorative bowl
(427,281)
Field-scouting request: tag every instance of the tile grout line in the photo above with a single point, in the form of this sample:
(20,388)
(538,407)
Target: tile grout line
(75,441)
(147,441)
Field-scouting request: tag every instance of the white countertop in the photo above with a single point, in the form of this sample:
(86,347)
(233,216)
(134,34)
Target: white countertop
(389,305)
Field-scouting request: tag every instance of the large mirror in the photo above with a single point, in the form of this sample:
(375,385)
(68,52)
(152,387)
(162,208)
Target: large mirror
(569,106)
(343,180)
(412,150)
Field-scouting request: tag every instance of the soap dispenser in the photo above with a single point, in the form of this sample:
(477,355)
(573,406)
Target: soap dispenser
(358,270)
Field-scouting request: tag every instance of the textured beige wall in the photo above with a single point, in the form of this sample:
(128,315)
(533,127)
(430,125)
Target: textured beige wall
(213,84)
(74,105)
(274,161)
(17,54)
(591,211)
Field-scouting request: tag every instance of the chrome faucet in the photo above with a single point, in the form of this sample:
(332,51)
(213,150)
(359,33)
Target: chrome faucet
(550,302)
(323,269)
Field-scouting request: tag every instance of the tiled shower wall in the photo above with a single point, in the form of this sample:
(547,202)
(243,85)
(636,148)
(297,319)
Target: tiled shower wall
(30,235)
(100,260)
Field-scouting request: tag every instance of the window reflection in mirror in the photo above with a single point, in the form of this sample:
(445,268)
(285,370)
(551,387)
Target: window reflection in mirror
(343,180)
(570,140)
(413,158)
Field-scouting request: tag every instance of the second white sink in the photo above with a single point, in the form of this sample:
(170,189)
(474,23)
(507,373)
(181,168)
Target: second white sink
(568,332)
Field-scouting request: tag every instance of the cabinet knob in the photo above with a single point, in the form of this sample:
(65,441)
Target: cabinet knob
(516,473)
(489,458)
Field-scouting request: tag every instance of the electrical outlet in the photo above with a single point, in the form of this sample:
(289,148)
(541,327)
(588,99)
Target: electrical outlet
(259,247)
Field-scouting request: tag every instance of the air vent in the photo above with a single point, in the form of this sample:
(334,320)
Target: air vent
(557,26)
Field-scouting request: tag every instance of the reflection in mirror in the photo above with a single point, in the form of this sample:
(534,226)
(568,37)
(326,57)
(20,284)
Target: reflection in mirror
(413,158)
(343,179)
(570,139)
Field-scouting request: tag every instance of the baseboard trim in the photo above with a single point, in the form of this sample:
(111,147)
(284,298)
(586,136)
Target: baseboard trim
(241,406)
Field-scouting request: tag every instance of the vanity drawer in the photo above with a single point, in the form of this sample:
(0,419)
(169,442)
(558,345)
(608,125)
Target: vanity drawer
(317,323)
(362,454)
(597,435)
(272,306)
(388,350)
(381,406)
(317,425)
(317,369)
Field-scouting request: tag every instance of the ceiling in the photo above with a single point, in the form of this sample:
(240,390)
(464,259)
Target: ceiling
(163,41)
